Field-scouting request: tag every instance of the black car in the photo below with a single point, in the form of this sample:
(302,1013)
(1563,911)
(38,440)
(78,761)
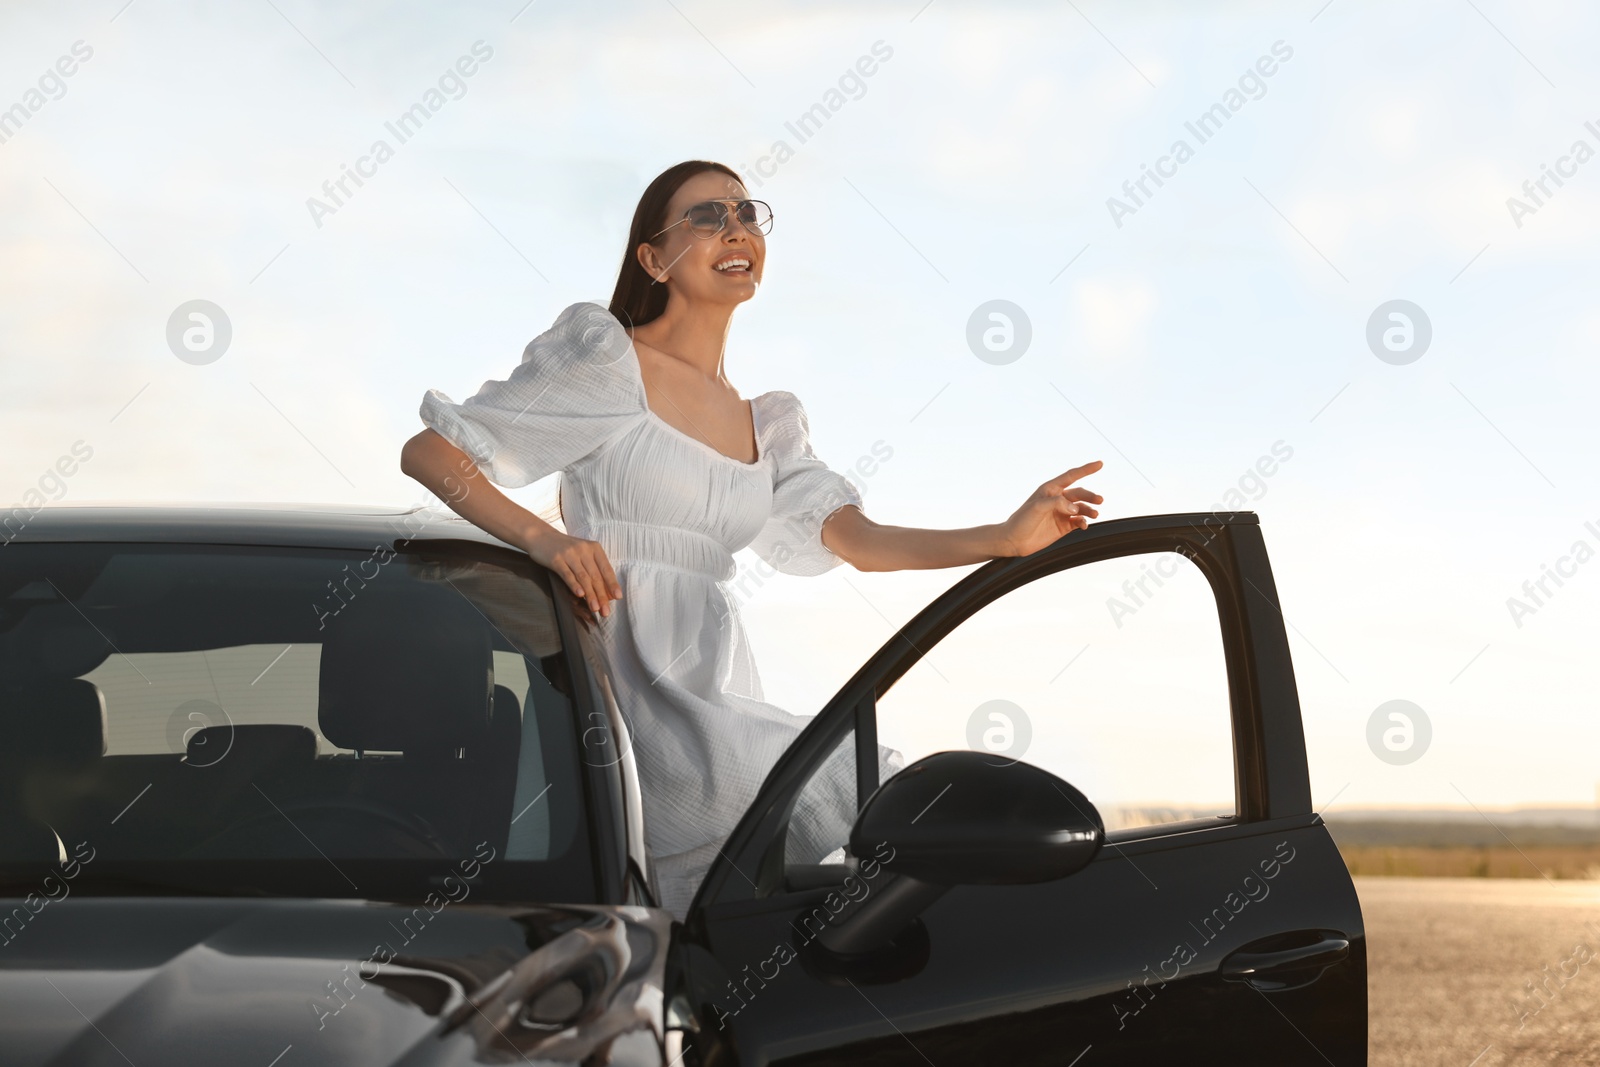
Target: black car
(283,786)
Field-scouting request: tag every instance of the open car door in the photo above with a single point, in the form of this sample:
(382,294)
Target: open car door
(984,913)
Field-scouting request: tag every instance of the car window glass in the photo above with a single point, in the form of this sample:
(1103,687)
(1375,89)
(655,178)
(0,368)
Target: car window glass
(272,715)
(1110,675)
(819,827)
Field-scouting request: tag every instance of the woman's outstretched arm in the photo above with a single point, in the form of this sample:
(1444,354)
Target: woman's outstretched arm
(1055,508)
(452,476)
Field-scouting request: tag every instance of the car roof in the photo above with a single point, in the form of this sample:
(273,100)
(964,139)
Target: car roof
(360,526)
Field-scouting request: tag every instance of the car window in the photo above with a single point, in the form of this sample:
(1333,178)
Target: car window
(1110,675)
(819,827)
(291,721)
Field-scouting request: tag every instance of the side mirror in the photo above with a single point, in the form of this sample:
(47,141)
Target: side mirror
(961,818)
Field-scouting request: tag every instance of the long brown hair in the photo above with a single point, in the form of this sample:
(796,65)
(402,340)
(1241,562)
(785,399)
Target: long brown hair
(638,297)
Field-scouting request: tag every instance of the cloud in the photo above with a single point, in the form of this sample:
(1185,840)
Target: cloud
(1113,320)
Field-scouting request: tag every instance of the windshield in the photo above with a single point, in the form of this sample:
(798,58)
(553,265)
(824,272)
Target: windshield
(289,722)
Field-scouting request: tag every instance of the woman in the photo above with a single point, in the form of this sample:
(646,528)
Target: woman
(666,473)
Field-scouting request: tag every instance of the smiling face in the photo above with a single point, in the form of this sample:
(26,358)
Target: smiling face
(722,269)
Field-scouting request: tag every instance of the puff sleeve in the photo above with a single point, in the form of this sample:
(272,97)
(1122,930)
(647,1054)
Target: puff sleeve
(805,492)
(577,387)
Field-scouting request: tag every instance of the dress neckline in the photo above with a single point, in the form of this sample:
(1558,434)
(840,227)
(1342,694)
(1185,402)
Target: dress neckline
(644,402)
(761,453)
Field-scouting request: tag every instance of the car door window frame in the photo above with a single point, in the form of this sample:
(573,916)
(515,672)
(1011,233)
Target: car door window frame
(610,777)
(1270,772)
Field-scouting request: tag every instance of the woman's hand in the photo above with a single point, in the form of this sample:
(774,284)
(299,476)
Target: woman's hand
(582,564)
(1054,509)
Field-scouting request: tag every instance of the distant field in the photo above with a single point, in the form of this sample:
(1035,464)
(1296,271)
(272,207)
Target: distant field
(1466,850)
(1504,862)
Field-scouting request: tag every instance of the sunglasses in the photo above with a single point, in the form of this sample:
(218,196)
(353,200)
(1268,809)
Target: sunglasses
(708,218)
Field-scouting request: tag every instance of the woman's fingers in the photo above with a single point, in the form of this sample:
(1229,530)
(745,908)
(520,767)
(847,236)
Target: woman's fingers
(565,570)
(571,566)
(588,574)
(1078,513)
(1074,501)
(606,587)
(1065,479)
(593,584)
(1061,488)
(602,582)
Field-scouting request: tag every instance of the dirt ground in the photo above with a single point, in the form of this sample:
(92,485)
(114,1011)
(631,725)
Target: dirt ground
(1482,971)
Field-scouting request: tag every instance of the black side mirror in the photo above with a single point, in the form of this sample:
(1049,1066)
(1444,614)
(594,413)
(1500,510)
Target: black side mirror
(961,818)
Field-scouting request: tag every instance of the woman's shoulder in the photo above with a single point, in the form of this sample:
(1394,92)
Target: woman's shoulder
(583,333)
(779,403)
(785,430)
(587,314)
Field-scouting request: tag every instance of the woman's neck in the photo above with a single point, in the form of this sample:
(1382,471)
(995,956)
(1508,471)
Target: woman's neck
(696,335)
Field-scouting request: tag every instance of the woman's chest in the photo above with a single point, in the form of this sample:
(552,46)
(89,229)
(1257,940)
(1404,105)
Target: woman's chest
(655,474)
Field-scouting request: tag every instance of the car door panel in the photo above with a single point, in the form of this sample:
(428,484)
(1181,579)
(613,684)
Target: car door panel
(1127,992)
(1118,963)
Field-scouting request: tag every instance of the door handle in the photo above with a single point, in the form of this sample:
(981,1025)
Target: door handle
(1273,969)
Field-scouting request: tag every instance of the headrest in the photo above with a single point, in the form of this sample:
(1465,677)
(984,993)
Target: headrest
(252,747)
(406,677)
(54,721)
(55,641)
(507,707)
(505,726)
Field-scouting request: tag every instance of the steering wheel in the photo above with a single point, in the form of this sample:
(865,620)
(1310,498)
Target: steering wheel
(390,833)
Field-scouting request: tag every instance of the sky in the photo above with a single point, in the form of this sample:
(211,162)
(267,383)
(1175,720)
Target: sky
(1356,154)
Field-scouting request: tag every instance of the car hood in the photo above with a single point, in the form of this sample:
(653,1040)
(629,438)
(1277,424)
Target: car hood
(103,981)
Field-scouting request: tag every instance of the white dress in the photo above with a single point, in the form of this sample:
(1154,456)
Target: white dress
(670,511)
